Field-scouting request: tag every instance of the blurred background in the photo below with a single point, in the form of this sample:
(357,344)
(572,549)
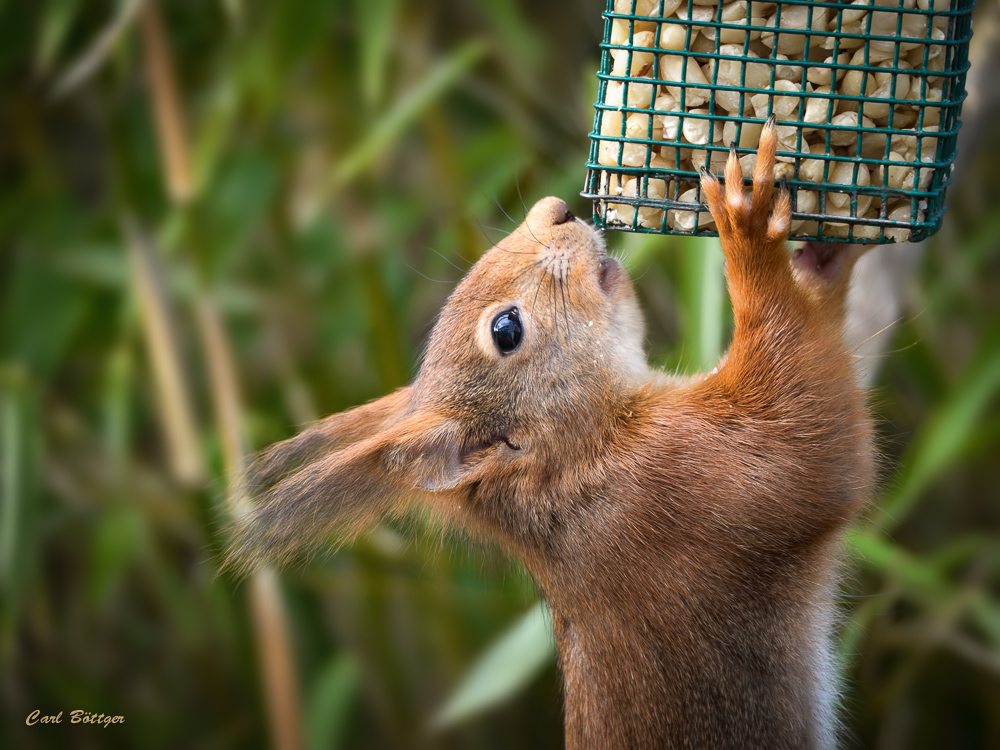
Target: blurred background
(221,220)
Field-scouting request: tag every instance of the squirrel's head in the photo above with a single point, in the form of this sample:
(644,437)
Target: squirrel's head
(522,378)
(538,337)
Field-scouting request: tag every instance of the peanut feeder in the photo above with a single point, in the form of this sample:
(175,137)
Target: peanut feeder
(866,94)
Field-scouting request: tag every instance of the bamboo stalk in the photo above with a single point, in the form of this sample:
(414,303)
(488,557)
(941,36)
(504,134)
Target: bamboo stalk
(275,655)
(225,389)
(273,641)
(166,104)
(11,481)
(270,622)
(173,395)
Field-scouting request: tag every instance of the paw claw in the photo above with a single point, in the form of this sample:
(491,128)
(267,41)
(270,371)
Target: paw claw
(711,190)
(763,178)
(731,208)
(781,218)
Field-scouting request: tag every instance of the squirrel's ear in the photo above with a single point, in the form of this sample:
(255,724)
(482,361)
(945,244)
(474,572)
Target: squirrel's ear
(341,476)
(436,456)
(325,485)
(323,438)
(327,501)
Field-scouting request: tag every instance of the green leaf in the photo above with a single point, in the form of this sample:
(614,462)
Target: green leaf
(377,27)
(523,41)
(235,12)
(214,135)
(37,335)
(640,248)
(406,111)
(236,205)
(887,557)
(16,440)
(941,442)
(701,289)
(119,538)
(298,29)
(512,662)
(53,31)
(709,283)
(329,701)
(116,407)
(100,48)
(985,614)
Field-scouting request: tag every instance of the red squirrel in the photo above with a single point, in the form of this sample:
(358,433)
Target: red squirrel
(684,531)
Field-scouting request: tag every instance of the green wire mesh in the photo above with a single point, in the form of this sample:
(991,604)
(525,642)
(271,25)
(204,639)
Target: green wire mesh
(867,97)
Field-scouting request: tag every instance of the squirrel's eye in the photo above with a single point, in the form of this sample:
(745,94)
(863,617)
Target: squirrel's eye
(507,331)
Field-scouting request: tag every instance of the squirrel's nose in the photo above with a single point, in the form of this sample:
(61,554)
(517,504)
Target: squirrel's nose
(547,213)
(562,214)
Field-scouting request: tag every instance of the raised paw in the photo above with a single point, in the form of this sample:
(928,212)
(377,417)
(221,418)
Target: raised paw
(741,216)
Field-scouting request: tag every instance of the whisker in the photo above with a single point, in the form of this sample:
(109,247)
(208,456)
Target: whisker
(552,296)
(436,281)
(532,233)
(642,275)
(504,212)
(887,353)
(448,260)
(517,225)
(562,292)
(484,227)
(527,268)
(515,252)
(517,184)
(533,237)
(538,288)
(569,294)
(882,330)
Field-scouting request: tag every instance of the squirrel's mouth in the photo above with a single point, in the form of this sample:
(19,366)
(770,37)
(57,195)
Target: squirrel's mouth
(481,445)
(609,269)
(609,272)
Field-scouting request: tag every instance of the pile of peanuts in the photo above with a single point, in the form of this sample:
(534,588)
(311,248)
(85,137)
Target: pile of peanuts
(680,123)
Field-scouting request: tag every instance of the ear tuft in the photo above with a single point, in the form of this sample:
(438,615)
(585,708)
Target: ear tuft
(325,485)
(338,479)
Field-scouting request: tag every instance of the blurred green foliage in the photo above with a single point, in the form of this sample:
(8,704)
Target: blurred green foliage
(351,158)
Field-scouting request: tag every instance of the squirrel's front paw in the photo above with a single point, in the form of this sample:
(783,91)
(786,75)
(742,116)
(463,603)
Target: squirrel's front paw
(738,215)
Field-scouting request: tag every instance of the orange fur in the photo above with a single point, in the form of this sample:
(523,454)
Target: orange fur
(684,531)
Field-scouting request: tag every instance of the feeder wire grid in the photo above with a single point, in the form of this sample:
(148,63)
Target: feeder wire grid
(867,97)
